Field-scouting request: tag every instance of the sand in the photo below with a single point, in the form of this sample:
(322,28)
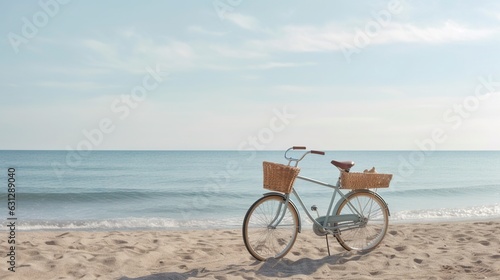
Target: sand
(453,250)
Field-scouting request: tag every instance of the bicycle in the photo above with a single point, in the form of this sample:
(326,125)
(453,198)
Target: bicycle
(359,220)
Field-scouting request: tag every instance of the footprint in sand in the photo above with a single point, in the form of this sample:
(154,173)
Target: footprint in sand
(33,253)
(484,242)
(466,268)
(27,243)
(109,261)
(419,261)
(447,267)
(337,267)
(209,250)
(400,248)
(483,270)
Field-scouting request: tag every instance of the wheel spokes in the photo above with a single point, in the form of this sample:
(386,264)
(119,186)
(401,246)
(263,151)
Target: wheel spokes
(270,228)
(373,224)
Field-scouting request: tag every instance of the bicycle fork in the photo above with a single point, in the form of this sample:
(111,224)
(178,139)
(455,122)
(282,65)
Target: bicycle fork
(280,214)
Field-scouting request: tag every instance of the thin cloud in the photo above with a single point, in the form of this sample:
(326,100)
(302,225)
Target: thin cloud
(272,65)
(75,85)
(295,89)
(233,52)
(101,48)
(448,32)
(243,21)
(141,52)
(200,30)
(333,37)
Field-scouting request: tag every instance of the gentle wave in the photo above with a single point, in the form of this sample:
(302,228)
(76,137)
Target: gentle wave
(98,196)
(128,224)
(120,194)
(452,214)
(441,191)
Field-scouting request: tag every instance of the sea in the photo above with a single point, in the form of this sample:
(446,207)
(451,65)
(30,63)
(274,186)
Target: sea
(179,190)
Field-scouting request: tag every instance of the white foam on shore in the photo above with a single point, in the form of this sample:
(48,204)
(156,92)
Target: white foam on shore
(406,216)
(445,214)
(128,224)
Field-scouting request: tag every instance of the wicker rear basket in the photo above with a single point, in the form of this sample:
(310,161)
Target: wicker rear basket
(279,177)
(358,180)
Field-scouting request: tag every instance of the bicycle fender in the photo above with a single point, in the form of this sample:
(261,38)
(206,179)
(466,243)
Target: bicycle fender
(291,203)
(365,191)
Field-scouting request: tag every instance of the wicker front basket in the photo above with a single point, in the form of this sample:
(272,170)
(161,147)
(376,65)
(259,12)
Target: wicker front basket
(358,180)
(279,177)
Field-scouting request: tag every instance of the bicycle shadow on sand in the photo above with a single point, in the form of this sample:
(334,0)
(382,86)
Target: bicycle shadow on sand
(282,268)
(167,275)
(275,268)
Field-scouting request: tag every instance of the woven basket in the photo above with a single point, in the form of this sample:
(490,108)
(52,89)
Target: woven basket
(279,177)
(358,180)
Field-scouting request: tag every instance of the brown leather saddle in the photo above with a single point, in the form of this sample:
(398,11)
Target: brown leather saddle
(344,165)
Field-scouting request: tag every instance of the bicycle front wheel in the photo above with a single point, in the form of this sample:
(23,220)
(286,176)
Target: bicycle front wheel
(270,227)
(374,215)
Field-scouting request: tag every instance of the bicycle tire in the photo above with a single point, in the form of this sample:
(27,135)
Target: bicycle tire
(375,213)
(263,242)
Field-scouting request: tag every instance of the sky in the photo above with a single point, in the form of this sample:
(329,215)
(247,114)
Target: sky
(240,74)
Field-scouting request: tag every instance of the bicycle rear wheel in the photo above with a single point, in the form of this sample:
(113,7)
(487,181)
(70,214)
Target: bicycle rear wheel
(374,221)
(263,237)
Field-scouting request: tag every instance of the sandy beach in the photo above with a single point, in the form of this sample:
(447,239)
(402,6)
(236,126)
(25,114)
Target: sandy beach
(452,250)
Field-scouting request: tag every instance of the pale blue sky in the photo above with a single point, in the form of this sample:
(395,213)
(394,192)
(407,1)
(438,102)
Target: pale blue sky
(261,74)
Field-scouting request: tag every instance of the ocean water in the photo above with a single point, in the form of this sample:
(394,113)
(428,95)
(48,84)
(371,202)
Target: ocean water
(116,190)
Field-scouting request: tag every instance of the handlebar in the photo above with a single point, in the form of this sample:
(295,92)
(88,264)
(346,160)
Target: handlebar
(298,148)
(290,159)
